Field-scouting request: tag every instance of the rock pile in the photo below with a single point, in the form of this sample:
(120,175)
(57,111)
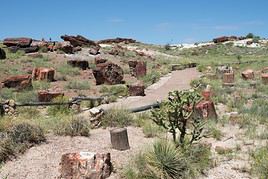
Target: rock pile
(8,107)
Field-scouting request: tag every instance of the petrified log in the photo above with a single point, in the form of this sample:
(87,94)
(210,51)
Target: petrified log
(117,40)
(248,74)
(66,47)
(19,82)
(264,78)
(99,60)
(80,41)
(83,64)
(14,49)
(136,89)
(228,78)
(42,73)
(2,54)
(220,39)
(108,73)
(48,96)
(137,68)
(119,139)
(85,165)
(207,109)
(19,42)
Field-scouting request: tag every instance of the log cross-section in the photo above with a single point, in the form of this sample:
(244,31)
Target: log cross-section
(119,139)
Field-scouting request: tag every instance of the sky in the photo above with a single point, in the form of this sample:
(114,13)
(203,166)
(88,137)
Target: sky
(149,21)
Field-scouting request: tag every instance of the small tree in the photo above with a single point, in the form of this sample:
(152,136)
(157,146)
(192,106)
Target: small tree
(250,36)
(177,115)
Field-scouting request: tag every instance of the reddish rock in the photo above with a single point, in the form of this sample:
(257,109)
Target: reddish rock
(48,96)
(248,74)
(207,109)
(99,60)
(117,51)
(80,41)
(43,74)
(19,82)
(117,40)
(136,89)
(39,43)
(108,73)
(85,165)
(66,47)
(2,54)
(83,64)
(93,51)
(228,78)
(137,68)
(220,39)
(19,42)
(264,78)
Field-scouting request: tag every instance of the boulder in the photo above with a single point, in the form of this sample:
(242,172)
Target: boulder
(93,51)
(19,82)
(207,109)
(48,96)
(2,54)
(108,73)
(264,78)
(99,60)
(248,74)
(136,89)
(66,47)
(82,64)
(19,42)
(80,41)
(85,165)
(42,73)
(137,68)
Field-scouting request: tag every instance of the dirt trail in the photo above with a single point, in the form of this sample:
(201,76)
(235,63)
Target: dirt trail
(177,80)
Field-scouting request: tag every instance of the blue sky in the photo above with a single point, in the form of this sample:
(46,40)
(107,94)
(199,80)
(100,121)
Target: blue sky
(151,21)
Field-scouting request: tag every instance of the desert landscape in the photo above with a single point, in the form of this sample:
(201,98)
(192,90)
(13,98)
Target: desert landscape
(74,107)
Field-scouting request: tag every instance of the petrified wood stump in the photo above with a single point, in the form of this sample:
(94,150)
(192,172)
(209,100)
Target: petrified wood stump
(19,82)
(136,89)
(248,74)
(264,78)
(85,165)
(119,139)
(42,73)
(48,96)
(108,73)
(82,64)
(137,68)
(228,78)
(19,42)
(207,109)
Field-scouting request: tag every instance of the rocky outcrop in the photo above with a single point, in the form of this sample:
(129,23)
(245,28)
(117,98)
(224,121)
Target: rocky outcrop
(85,165)
(80,41)
(137,68)
(48,96)
(82,64)
(117,40)
(42,73)
(108,73)
(19,82)
(18,42)
(2,54)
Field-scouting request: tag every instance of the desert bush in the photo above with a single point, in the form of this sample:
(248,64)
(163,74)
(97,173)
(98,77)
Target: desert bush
(25,96)
(117,118)
(16,55)
(41,85)
(260,163)
(150,129)
(6,93)
(67,70)
(213,131)
(77,127)
(151,78)
(116,90)
(79,85)
(164,160)
(6,149)
(59,109)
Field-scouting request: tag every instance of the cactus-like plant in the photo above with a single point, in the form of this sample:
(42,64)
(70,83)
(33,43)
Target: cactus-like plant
(177,114)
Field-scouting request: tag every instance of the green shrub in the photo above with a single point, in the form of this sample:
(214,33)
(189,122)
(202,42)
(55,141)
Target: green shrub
(59,109)
(6,149)
(75,127)
(6,93)
(67,70)
(25,96)
(260,162)
(151,78)
(150,129)
(41,85)
(79,85)
(116,90)
(117,118)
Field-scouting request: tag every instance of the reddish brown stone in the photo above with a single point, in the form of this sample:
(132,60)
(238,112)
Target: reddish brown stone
(228,78)
(220,39)
(136,89)
(19,42)
(137,68)
(207,109)
(108,73)
(66,47)
(43,74)
(117,51)
(48,96)
(83,64)
(80,41)
(248,74)
(116,40)
(264,78)
(85,165)
(2,54)
(19,82)
(99,60)
(93,51)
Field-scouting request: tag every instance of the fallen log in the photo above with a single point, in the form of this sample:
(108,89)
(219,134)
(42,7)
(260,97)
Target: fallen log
(19,42)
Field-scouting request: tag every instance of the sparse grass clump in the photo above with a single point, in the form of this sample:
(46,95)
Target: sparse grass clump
(116,90)
(117,118)
(150,129)
(151,78)
(79,85)
(67,70)
(260,162)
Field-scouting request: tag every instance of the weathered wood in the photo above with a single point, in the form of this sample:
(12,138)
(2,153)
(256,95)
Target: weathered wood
(119,139)
(19,42)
